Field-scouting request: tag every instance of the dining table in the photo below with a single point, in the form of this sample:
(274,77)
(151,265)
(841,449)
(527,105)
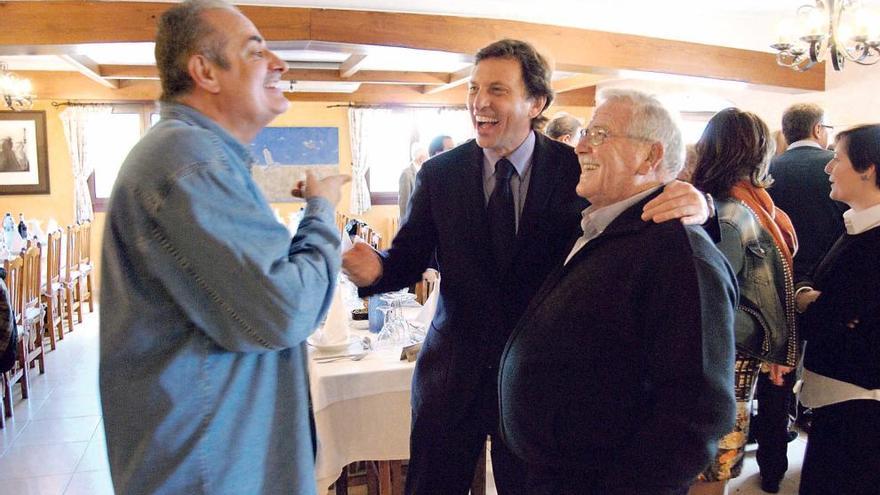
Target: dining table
(361,406)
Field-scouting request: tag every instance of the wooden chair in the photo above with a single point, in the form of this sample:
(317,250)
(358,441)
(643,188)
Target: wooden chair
(85,264)
(70,279)
(18,374)
(52,292)
(32,307)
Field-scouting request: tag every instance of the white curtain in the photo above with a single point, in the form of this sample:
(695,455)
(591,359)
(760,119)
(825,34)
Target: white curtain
(74,120)
(358,128)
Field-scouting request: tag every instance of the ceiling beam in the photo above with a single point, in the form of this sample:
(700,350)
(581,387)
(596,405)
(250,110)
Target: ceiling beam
(577,81)
(87,67)
(76,22)
(453,80)
(129,72)
(351,65)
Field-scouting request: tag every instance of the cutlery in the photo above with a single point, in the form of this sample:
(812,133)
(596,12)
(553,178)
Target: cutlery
(333,359)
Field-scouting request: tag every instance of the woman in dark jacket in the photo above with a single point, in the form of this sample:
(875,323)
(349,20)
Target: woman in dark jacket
(841,325)
(733,156)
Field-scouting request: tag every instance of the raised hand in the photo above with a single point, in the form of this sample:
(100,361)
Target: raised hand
(329,187)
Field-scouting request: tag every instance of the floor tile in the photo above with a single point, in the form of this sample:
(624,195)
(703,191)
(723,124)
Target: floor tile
(90,483)
(56,407)
(95,457)
(50,431)
(42,485)
(23,461)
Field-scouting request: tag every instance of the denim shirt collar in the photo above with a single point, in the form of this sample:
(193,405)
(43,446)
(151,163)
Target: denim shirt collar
(190,115)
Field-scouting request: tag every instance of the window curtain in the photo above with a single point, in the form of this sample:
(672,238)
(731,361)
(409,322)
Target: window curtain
(360,192)
(75,119)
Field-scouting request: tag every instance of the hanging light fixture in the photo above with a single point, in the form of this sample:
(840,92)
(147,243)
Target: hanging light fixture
(16,91)
(836,29)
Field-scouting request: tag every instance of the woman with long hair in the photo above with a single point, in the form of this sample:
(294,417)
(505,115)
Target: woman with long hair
(841,324)
(733,157)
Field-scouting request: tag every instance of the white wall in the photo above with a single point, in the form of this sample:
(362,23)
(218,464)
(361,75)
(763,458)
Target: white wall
(850,97)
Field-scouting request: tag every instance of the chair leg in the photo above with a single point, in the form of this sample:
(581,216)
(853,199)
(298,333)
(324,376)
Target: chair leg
(59,303)
(7,394)
(79,301)
(22,361)
(68,295)
(91,295)
(49,321)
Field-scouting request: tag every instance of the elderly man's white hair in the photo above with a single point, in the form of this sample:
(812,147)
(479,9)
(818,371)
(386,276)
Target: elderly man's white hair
(651,120)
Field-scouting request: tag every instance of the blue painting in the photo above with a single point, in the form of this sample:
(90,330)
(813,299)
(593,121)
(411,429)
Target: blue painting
(297,146)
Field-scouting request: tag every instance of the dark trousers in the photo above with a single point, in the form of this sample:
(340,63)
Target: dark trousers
(843,450)
(771,425)
(443,456)
(573,481)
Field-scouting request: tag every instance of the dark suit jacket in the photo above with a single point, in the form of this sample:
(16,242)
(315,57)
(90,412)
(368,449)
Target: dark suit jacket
(477,308)
(801,190)
(619,377)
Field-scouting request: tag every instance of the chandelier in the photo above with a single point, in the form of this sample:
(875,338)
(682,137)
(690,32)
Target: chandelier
(837,29)
(15,91)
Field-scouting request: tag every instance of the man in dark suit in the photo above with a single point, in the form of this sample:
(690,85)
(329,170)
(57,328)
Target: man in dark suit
(801,189)
(498,212)
(619,377)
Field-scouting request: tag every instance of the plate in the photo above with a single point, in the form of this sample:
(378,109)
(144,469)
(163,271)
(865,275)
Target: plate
(312,341)
(359,324)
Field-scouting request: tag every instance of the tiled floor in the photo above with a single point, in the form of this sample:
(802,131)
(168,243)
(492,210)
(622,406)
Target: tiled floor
(55,444)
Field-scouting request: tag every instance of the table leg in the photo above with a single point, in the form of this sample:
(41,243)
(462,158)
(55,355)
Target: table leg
(385,478)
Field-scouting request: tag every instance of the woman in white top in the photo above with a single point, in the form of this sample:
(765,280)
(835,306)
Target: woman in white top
(841,323)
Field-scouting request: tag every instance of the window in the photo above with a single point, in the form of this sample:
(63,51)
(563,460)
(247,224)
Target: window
(390,137)
(110,138)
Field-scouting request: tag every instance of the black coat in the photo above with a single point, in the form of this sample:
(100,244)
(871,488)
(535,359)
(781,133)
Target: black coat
(849,278)
(620,374)
(477,308)
(801,189)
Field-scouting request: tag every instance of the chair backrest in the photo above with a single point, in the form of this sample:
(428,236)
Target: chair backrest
(53,261)
(85,243)
(32,272)
(72,256)
(14,281)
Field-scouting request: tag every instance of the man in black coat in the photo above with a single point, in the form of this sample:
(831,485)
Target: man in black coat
(801,189)
(498,212)
(618,379)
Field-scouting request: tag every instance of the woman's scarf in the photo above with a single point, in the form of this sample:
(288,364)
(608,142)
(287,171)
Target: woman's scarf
(774,220)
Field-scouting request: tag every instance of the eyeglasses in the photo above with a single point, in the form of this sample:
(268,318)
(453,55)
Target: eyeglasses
(596,135)
(829,127)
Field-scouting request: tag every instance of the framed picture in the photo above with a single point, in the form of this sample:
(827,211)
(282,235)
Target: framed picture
(24,162)
(284,154)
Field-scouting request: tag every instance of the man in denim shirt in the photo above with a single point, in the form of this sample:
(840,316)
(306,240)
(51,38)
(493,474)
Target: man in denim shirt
(206,299)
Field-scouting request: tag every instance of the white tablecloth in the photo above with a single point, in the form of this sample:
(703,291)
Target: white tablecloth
(362,411)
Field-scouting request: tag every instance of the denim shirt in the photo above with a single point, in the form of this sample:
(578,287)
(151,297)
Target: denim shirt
(206,304)
(764,323)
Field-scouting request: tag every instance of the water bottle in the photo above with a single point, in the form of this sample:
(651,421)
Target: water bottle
(22,227)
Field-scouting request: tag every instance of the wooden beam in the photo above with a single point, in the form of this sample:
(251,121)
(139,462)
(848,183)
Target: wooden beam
(581,48)
(129,72)
(583,97)
(77,22)
(370,76)
(577,81)
(454,79)
(87,67)
(351,65)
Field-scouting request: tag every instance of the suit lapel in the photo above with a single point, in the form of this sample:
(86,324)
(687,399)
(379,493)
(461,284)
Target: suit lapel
(474,203)
(541,184)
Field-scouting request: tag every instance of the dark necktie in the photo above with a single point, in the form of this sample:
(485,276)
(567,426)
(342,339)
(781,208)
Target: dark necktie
(502,218)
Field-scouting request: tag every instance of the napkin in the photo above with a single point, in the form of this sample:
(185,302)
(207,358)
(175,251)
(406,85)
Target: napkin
(335,329)
(430,307)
